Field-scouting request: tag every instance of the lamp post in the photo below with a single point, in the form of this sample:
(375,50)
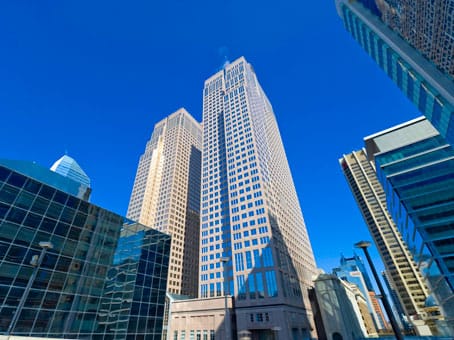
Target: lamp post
(36,263)
(364,245)
(225,261)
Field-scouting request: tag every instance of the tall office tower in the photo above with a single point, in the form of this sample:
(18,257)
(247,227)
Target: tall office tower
(413,42)
(415,165)
(251,218)
(166,194)
(396,257)
(352,269)
(68,167)
(397,306)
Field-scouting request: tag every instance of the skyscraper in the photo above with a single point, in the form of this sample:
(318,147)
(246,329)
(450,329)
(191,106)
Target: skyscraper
(251,220)
(352,269)
(166,194)
(415,166)
(396,257)
(68,167)
(413,42)
(398,310)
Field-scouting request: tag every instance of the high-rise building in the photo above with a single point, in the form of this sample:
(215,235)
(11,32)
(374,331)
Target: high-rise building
(70,269)
(413,42)
(68,167)
(352,269)
(396,257)
(251,220)
(166,195)
(415,166)
(398,310)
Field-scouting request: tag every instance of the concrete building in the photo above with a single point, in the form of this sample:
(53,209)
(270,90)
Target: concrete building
(403,272)
(203,319)
(338,308)
(378,310)
(369,324)
(166,195)
(398,310)
(70,269)
(254,242)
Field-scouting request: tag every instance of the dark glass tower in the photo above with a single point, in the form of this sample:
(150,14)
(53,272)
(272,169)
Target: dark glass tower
(100,276)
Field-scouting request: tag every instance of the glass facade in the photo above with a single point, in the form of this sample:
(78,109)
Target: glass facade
(68,167)
(428,87)
(419,183)
(104,278)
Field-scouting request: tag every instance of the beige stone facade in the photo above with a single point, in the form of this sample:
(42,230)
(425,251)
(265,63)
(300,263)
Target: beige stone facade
(396,257)
(250,213)
(166,194)
(202,319)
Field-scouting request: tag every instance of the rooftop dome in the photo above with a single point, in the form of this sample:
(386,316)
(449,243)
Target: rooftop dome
(68,167)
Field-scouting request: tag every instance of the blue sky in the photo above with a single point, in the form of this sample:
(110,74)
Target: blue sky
(93,77)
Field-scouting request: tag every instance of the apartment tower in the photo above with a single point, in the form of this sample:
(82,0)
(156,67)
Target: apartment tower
(166,194)
(253,240)
(371,200)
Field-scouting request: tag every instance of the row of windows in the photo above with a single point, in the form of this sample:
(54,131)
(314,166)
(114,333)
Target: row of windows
(195,335)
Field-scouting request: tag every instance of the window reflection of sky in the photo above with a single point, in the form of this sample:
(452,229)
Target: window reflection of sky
(129,247)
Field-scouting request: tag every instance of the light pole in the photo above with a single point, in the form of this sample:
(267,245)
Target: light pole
(225,261)
(364,245)
(35,262)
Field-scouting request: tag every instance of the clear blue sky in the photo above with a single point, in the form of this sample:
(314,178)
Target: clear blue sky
(93,77)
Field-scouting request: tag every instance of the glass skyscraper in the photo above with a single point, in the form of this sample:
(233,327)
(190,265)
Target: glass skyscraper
(102,276)
(251,220)
(415,166)
(413,42)
(68,167)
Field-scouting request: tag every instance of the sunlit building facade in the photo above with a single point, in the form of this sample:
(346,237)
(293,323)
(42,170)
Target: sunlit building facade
(251,221)
(100,276)
(352,269)
(166,194)
(397,259)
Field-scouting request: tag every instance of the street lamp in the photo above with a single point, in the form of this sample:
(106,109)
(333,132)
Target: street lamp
(364,245)
(36,263)
(225,260)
